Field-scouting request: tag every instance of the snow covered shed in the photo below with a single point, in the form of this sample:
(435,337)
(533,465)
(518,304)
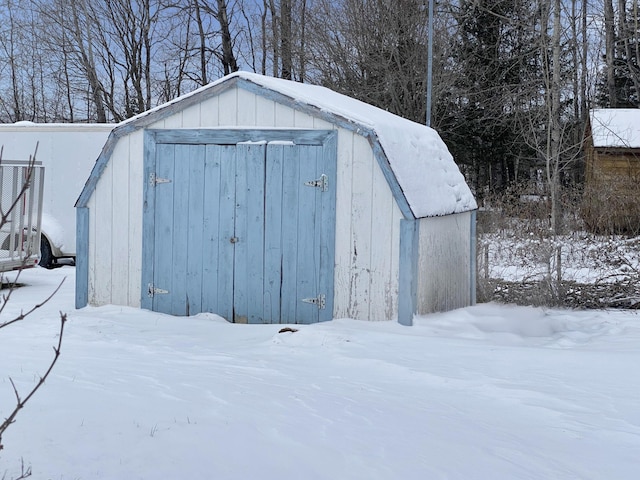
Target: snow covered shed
(612,173)
(270,201)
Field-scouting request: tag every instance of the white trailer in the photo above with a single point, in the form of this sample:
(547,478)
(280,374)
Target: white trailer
(68,151)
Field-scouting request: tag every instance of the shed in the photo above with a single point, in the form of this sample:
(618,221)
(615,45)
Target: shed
(270,201)
(612,174)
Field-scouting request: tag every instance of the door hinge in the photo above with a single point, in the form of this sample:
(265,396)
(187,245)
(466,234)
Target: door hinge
(321,183)
(319,301)
(155,291)
(155,180)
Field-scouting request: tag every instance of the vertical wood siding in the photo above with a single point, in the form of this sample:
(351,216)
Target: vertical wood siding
(367,217)
(367,235)
(444,264)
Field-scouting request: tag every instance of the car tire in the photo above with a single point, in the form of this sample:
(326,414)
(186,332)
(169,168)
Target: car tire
(46,255)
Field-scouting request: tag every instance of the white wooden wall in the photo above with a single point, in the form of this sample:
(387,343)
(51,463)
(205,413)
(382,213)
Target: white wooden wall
(444,263)
(367,218)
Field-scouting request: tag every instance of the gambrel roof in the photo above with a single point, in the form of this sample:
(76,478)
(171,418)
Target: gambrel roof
(415,161)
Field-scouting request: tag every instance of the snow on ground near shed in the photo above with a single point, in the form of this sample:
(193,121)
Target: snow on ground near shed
(488,392)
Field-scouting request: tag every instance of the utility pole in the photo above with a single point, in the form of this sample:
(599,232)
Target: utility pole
(429,64)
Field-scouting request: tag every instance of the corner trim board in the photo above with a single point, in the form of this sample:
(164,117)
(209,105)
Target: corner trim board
(148,207)
(82,257)
(408,271)
(473,260)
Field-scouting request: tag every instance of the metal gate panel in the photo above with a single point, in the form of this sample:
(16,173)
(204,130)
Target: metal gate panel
(21,197)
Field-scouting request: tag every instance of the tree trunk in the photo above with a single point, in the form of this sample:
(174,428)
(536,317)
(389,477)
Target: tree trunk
(228,58)
(275,28)
(285,38)
(610,52)
(263,25)
(202,49)
(302,54)
(553,164)
(88,62)
(584,63)
(627,37)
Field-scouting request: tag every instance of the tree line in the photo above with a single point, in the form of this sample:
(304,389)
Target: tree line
(512,79)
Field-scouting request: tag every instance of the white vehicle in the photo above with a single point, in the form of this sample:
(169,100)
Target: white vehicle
(68,151)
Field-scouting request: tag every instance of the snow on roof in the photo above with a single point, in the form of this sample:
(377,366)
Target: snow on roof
(615,127)
(25,126)
(425,170)
(421,162)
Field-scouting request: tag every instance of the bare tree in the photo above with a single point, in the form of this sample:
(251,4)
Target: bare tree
(202,41)
(554,128)
(285,38)
(610,39)
(629,45)
(81,31)
(228,59)
(373,51)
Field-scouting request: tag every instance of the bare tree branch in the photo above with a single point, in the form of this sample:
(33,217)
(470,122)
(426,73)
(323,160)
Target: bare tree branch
(21,402)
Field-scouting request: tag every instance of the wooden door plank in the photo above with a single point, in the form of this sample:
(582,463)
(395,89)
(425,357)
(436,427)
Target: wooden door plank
(290,192)
(195,213)
(226,229)
(328,165)
(307,263)
(273,233)
(180,245)
(212,198)
(255,166)
(240,267)
(163,227)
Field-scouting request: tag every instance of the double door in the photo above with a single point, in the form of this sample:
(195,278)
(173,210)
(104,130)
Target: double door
(243,230)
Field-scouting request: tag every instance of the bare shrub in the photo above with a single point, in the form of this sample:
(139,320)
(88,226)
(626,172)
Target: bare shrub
(522,260)
(612,206)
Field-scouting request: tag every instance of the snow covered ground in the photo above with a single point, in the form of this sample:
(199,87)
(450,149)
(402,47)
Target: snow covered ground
(489,392)
(585,258)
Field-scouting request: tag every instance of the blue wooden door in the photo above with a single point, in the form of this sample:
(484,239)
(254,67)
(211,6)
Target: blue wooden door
(245,231)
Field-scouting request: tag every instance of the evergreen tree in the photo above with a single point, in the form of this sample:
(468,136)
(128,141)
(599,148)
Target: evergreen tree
(619,84)
(497,79)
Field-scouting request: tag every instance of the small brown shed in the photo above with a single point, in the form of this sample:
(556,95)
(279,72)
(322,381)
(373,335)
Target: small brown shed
(612,180)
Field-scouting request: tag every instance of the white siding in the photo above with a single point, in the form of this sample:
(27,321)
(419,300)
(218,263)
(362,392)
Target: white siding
(367,217)
(191,116)
(115,246)
(102,236)
(246,108)
(119,226)
(209,111)
(228,108)
(367,235)
(444,263)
